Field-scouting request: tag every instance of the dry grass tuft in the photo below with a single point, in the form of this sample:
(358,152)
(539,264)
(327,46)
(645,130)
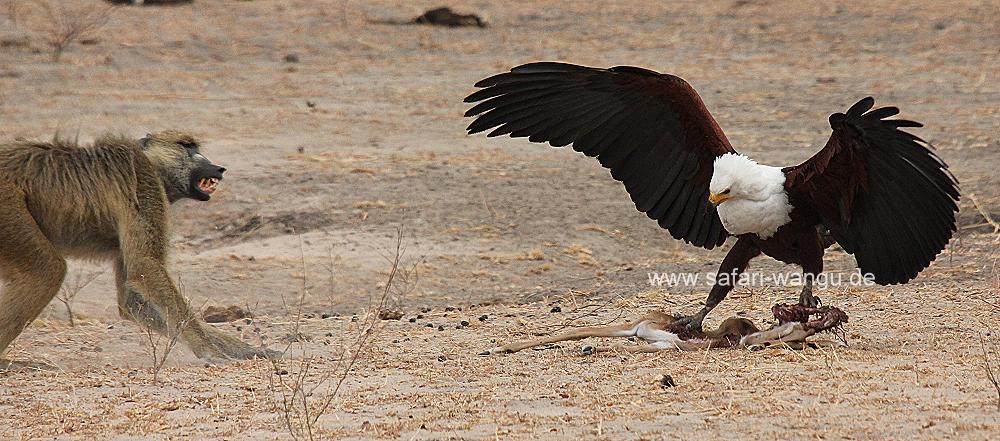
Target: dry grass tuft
(63,23)
(991,363)
(70,289)
(301,395)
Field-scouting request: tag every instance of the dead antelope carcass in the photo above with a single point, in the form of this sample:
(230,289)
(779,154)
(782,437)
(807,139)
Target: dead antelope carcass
(662,331)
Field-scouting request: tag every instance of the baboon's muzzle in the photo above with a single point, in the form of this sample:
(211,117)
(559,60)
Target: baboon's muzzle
(205,181)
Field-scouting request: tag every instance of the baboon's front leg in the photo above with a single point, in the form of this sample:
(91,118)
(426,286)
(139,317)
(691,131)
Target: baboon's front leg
(146,275)
(131,304)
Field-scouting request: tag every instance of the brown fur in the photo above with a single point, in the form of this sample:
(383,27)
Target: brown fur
(108,201)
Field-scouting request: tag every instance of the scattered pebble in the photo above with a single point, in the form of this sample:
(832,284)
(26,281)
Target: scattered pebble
(429,325)
(556,309)
(292,58)
(441,328)
(218,314)
(464,323)
(413,319)
(442,358)
(483,317)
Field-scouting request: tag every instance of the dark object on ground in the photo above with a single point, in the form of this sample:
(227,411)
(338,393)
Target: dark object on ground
(390,315)
(150,2)
(446,17)
(218,314)
(667,381)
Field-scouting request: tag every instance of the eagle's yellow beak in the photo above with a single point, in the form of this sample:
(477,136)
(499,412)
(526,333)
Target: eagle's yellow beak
(716,198)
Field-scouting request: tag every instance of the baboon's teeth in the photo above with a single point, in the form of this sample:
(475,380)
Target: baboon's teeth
(208,185)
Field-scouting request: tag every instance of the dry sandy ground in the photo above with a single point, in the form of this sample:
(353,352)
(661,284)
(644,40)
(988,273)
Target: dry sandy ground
(499,228)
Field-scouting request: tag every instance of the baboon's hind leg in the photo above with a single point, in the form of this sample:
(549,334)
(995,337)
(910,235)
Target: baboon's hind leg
(30,266)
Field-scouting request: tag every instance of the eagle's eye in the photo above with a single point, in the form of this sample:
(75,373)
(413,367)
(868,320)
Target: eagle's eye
(726,192)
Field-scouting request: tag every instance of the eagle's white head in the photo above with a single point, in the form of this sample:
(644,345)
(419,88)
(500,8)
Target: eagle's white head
(750,197)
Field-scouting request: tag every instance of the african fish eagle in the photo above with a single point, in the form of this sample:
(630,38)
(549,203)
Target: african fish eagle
(878,191)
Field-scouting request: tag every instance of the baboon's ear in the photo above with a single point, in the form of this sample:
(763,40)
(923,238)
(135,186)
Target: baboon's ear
(144,142)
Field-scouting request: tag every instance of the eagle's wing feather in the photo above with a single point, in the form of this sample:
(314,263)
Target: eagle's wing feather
(651,130)
(886,197)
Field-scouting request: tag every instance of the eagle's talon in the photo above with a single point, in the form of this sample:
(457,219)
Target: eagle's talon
(691,322)
(809,300)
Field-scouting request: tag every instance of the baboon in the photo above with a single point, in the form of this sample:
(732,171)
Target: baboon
(107,201)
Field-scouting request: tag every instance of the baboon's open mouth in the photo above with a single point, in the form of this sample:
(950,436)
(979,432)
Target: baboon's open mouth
(208,185)
(202,187)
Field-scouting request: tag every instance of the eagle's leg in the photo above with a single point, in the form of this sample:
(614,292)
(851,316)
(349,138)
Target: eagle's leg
(812,264)
(806,298)
(732,266)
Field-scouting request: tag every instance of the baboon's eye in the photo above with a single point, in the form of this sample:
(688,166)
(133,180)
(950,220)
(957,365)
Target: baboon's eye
(189,145)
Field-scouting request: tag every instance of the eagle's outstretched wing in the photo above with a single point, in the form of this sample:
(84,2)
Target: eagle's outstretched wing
(651,130)
(886,197)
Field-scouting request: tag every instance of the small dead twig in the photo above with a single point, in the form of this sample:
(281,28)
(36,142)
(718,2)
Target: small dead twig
(295,387)
(67,22)
(159,350)
(69,291)
(371,324)
(986,216)
(991,364)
